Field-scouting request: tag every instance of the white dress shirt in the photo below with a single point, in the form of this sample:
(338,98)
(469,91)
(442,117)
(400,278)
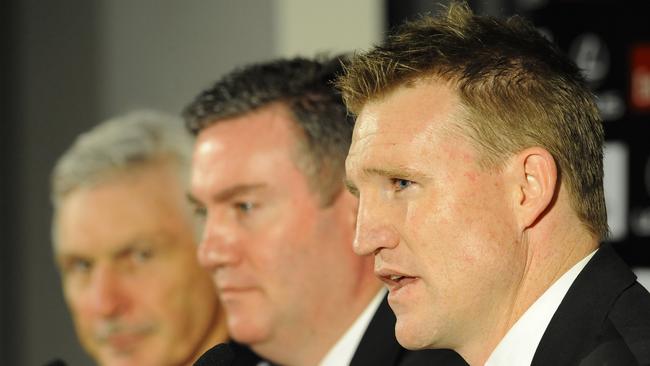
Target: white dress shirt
(518,346)
(342,352)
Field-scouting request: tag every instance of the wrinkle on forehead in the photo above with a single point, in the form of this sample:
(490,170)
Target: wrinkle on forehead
(427,105)
(404,125)
(384,134)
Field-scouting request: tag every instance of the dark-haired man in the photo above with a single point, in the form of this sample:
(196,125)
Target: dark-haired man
(267,175)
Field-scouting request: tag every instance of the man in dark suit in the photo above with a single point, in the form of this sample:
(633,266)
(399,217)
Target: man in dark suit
(477,159)
(619,318)
(267,177)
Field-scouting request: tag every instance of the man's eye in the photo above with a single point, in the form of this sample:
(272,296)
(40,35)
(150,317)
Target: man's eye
(200,212)
(245,206)
(80,266)
(141,255)
(400,184)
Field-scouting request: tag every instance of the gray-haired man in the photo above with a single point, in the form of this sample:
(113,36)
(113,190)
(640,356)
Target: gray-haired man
(124,241)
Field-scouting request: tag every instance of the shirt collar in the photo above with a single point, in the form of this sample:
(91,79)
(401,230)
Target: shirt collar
(343,350)
(518,346)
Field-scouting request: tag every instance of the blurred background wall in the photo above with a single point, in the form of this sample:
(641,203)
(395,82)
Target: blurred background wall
(69,64)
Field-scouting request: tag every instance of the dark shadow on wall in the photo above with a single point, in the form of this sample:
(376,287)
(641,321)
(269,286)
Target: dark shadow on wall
(48,94)
(6,338)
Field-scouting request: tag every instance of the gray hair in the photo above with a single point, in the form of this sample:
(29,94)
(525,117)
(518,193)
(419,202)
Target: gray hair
(119,145)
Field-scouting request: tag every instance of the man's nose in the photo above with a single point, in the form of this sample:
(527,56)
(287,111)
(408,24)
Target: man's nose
(108,295)
(219,244)
(374,230)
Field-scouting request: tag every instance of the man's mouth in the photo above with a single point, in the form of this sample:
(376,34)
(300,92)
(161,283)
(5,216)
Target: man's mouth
(121,337)
(233,290)
(124,343)
(227,293)
(394,280)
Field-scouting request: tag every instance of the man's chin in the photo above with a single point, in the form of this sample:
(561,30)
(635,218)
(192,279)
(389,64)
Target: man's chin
(149,359)
(110,356)
(121,360)
(247,331)
(409,338)
(248,336)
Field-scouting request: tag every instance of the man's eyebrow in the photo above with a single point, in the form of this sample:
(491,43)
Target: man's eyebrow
(193,200)
(228,193)
(402,172)
(122,249)
(63,256)
(231,192)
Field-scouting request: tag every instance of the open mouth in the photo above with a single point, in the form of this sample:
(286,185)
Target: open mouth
(395,282)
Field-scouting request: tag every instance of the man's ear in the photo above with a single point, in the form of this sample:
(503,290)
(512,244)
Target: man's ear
(536,180)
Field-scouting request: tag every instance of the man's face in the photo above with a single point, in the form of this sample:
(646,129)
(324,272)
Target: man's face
(440,227)
(126,252)
(283,265)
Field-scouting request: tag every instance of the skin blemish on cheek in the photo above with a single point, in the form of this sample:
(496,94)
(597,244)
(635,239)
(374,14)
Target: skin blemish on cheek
(471,176)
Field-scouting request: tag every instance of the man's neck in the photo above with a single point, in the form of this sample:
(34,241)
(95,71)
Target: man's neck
(519,344)
(546,262)
(315,340)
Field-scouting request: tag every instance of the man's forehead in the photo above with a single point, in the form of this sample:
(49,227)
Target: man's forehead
(406,119)
(388,141)
(379,155)
(275,115)
(112,247)
(426,98)
(247,136)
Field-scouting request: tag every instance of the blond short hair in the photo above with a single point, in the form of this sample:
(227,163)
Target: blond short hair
(517,90)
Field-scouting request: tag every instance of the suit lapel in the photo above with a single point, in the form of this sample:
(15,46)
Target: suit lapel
(582,314)
(378,345)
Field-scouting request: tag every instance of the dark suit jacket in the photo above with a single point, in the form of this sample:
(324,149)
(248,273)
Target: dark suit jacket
(604,319)
(378,347)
